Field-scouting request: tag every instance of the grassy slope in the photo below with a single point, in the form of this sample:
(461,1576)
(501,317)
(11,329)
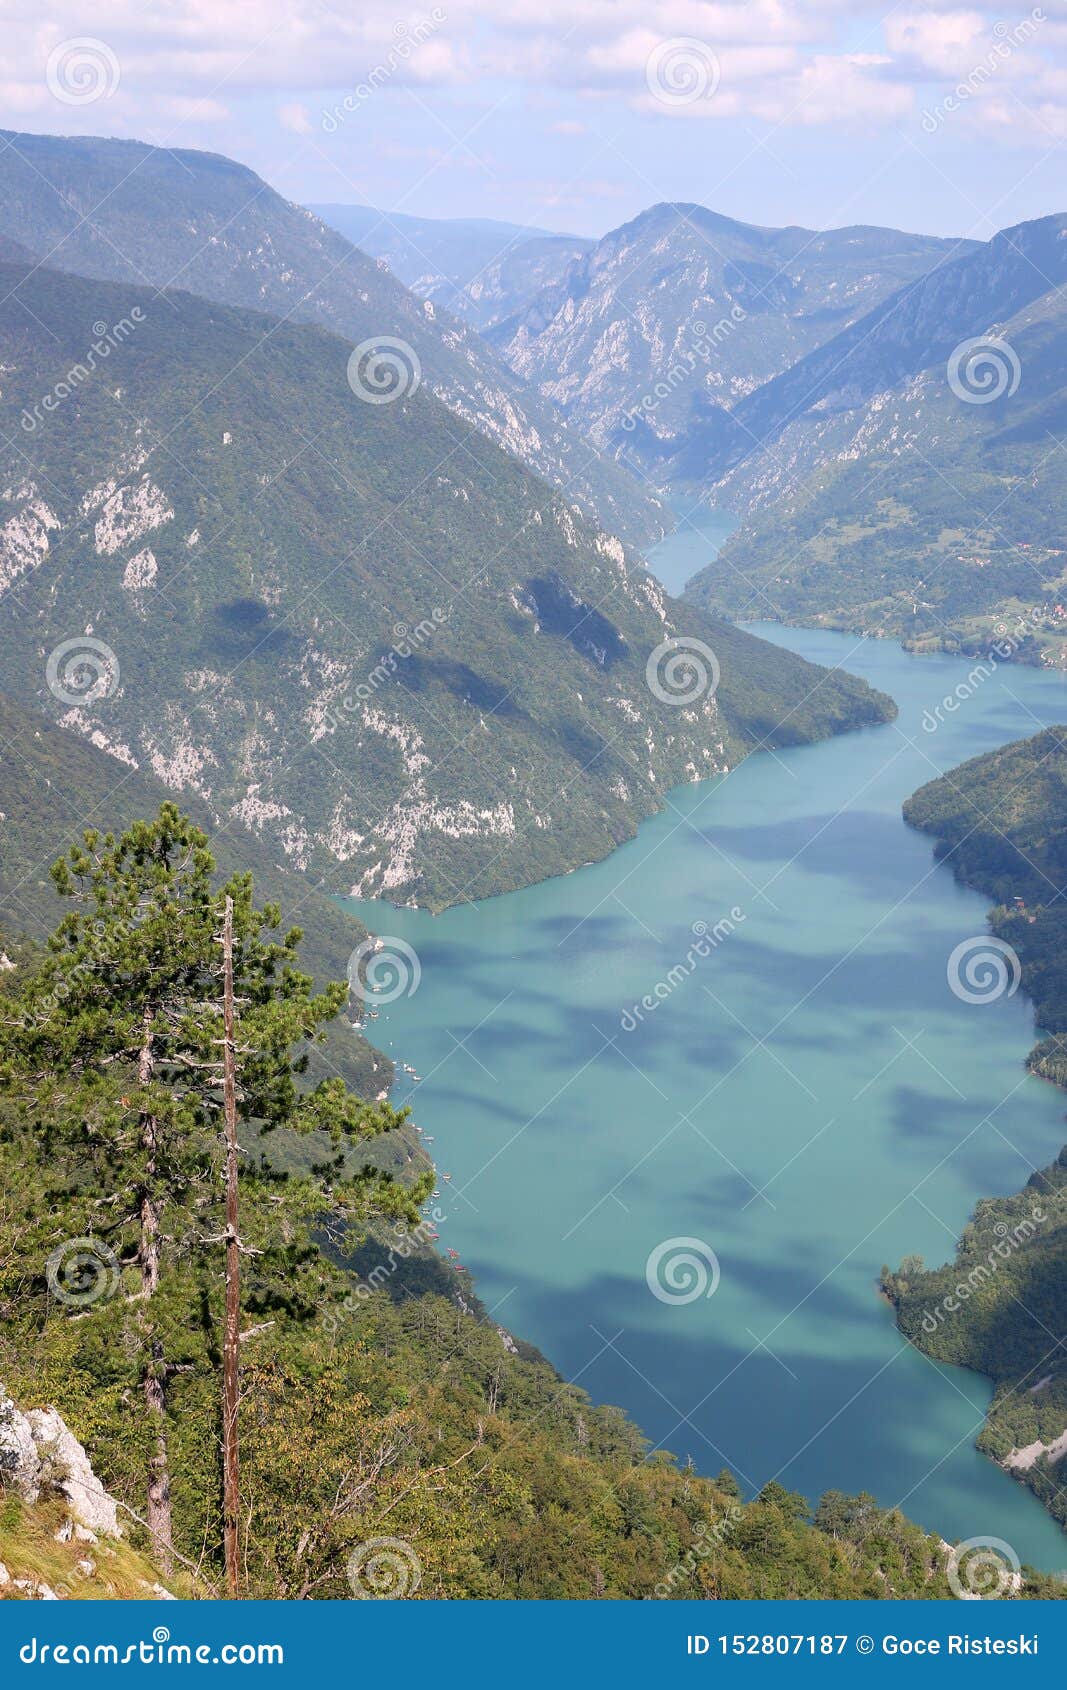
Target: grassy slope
(76,1572)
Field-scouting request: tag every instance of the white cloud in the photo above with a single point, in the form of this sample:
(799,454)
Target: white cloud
(844,89)
(295,117)
(24,96)
(787,61)
(945,42)
(1042,124)
(186,108)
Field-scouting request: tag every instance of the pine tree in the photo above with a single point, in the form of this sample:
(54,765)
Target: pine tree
(114,1049)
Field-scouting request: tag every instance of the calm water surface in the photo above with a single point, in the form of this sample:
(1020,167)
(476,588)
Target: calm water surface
(810,1102)
(697,540)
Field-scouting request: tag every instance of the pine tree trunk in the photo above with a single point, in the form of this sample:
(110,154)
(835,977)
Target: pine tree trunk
(231,1336)
(154,1374)
(158,1518)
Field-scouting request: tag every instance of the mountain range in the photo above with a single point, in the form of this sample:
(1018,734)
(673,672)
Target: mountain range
(361,630)
(168,218)
(474,267)
(908,477)
(654,337)
(376,634)
(801,380)
(399,642)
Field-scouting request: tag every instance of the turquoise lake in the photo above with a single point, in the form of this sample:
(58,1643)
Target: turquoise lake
(697,539)
(808,1102)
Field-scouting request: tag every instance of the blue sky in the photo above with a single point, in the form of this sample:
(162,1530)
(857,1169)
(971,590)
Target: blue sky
(941,118)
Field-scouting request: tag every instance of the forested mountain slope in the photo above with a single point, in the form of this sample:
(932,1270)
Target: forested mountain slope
(408,1432)
(125,211)
(998,1308)
(54,782)
(908,478)
(362,630)
(1000,820)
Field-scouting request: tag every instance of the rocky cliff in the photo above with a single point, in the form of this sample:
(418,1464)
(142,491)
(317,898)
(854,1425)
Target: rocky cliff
(60,1533)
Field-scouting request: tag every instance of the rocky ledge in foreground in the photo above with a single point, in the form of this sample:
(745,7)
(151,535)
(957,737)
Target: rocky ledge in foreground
(60,1534)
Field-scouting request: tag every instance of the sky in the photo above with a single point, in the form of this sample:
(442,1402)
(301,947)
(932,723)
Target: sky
(578,114)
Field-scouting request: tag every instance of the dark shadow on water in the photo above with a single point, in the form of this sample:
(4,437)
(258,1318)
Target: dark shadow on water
(868,848)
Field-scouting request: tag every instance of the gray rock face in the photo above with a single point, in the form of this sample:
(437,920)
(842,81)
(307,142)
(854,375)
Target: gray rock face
(65,1468)
(39,1455)
(20,1465)
(41,1458)
(651,340)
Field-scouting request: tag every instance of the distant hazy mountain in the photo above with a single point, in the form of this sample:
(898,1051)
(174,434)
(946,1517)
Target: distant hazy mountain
(653,336)
(362,631)
(123,211)
(914,330)
(474,267)
(891,490)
